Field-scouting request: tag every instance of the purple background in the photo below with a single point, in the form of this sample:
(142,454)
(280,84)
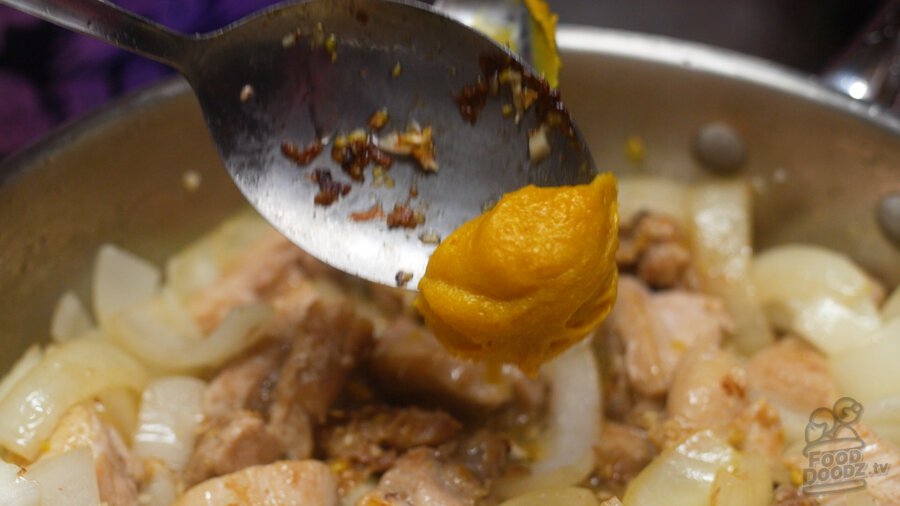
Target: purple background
(49,75)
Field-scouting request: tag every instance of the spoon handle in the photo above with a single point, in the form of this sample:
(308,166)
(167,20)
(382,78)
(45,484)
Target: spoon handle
(112,24)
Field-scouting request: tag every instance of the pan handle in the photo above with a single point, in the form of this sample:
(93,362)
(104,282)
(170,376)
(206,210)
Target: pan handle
(869,69)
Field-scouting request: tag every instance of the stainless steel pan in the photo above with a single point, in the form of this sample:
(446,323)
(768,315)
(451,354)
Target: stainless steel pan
(820,163)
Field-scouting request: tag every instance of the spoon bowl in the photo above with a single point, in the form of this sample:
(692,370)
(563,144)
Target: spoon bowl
(315,71)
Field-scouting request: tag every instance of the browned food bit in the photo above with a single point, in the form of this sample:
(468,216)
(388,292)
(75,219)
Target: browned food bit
(538,145)
(527,90)
(471,100)
(379,119)
(416,142)
(403,278)
(373,213)
(404,216)
(329,189)
(356,151)
(302,157)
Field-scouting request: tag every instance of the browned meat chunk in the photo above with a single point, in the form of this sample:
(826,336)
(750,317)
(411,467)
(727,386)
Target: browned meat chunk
(410,364)
(652,246)
(230,444)
(262,407)
(245,382)
(664,265)
(419,478)
(118,471)
(286,483)
(656,329)
(292,428)
(332,342)
(622,452)
(373,436)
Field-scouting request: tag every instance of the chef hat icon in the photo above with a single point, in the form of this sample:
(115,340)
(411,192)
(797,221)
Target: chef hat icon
(833,427)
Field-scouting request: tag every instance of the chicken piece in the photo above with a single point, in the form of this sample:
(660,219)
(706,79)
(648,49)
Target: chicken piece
(332,342)
(419,478)
(245,383)
(759,430)
(880,461)
(294,297)
(654,248)
(664,265)
(118,471)
(656,330)
(373,436)
(485,453)
(229,444)
(793,374)
(292,427)
(409,363)
(621,451)
(709,391)
(250,276)
(284,483)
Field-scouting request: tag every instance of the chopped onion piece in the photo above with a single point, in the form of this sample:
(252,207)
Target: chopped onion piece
(416,142)
(656,194)
(565,496)
(23,366)
(161,334)
(121,280)
(169,419)
(119,407)
(883,416)
(891,307)
(720,234)
(750,484)
(17,490)
(161,488)
(201,263)
(70,319)
(682,475)
(870,372)
(573,422)
(538,145)
(817,294)
(67,374)
(67,480)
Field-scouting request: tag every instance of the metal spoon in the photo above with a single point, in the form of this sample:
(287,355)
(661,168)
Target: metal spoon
(281,76)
